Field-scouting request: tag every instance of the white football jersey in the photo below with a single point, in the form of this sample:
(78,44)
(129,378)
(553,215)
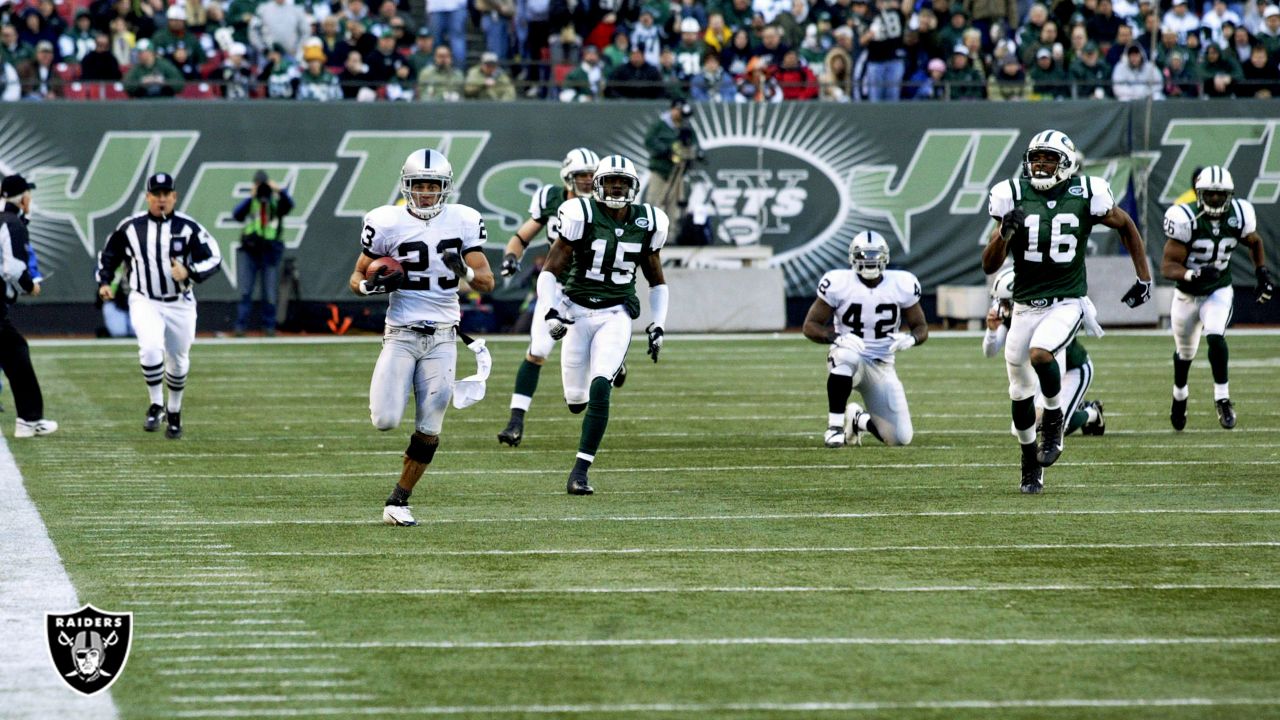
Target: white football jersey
(430,290)
(871,313)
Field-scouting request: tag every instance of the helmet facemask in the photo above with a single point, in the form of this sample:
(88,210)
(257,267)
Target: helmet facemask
(869,255)
(606,190)
(421,198)
(1214,189)
(1049,147)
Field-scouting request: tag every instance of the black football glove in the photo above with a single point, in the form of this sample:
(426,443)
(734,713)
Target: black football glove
(1012,222)
(1138,294)
(1208,274)
(1266,285)
(510,264)
(556,325)
(385,282)
(453,261)
(655,341)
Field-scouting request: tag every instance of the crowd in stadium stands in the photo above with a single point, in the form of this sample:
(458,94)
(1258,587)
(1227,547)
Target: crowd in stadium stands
(582,50)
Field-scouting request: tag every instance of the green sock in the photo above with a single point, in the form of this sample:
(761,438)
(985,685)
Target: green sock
(1076,421)
(597,418)
(527,378)
(1218,357)
(1050,378)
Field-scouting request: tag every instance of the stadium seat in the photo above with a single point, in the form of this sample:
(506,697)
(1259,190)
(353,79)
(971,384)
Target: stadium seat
(560,72)
(199,91)
(67,71)
(114,91)
(76,91)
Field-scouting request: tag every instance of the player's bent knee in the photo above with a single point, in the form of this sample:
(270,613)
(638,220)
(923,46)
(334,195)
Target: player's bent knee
(1040,356)
(577,408)
(385,421)
(535,359)
(422,447)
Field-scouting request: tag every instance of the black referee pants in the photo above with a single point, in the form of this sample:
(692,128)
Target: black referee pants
(15,358)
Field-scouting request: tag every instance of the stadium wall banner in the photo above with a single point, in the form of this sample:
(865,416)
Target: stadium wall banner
(800,177)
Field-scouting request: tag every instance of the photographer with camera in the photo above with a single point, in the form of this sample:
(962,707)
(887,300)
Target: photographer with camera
(672,144)
(261,249)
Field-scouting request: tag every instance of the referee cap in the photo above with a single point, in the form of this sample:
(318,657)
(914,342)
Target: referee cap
(160,182)
(14,185)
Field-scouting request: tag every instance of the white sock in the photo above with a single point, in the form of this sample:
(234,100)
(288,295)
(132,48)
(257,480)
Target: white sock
(156,393)
(1053,403)
(520,402)
(835,420)
(1220,392)
(1180,393)
(1092,414)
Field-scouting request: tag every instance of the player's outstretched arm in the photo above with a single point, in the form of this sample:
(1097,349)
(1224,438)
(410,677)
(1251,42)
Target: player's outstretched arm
(1266,286)
(518,243)
(817,323)
(1119,220)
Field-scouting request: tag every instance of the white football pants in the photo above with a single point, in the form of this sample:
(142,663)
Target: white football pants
(1048,328)
(1192,314)
(881,390)
(165,331)
(595,347)
(413,361)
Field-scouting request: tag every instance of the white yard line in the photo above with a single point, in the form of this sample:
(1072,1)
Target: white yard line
(245,684)
(34,582)
(303,697)
(697,708)
(725,518)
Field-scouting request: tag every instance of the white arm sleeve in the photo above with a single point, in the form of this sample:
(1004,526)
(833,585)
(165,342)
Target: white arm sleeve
(1000,200)
(658,295)
(547,289)
(1100,199)
(993,341)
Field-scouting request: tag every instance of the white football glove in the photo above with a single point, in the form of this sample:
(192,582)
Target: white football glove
(557,325)
(850,342)
(902,341)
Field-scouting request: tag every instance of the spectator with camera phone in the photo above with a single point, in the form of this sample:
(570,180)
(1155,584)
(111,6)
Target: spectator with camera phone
(261,249)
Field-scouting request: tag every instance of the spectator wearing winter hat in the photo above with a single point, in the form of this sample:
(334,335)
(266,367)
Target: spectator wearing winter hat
(1009,81)
(384,59)
(962,80)
(77,41)
(316,82)
(837,76)
(586,82)
(1137,78)
(1089,74)
(1048,79)
(1269,33)
(796,80)
(152,76)
(175,36)
(236,74)
(1216,17)
(648,36)
(38,79)
(1181,19)
(488,81)
(1220,72)
(691,48)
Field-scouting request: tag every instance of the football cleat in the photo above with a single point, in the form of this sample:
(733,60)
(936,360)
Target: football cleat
(174,430)
(1098,427)
(833,437)
(1226,413)
(512,434)
(620,377)
(1178,414)
(852,417)
(1051,441)
(33,428)
(398,515)
(155,414)
(578,484)
(1032,476)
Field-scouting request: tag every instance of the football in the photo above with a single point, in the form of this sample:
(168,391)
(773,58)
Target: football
(376,267)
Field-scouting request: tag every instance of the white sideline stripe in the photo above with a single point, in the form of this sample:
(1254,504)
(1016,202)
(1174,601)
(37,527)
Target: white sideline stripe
(232,633)
(197,601)
(724,518)
(35,582)
(238,657)
(305,697)
(380,552)
(757,641)
(242,621)
(750,589)
(802,707)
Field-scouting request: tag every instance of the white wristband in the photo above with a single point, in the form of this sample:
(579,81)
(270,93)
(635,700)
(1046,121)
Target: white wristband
(471,274)
(1190,275)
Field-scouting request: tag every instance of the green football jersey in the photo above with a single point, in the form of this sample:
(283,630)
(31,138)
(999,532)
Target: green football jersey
(1049,250)
(545,204)
(607,251)
(1209,241)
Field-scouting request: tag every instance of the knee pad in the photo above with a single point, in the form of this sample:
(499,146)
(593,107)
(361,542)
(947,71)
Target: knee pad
(844,361)
(422,447)
(577,408)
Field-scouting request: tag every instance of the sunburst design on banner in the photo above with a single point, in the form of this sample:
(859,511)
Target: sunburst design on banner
(24,150)
(819,143)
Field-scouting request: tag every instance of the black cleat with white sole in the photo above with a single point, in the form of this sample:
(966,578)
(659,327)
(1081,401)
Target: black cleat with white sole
(1178,414)
(512,434)
(1051,443)
(578,484)
(1226,413)
(155,415)
(1097,427)
(174,430)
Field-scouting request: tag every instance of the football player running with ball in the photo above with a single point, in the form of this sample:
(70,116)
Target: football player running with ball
(576,172)
(603,238)
(1044,220)
(436,244)
(867,304)
(1197,256)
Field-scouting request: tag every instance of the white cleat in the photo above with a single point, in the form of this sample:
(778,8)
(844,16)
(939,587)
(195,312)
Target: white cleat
(24,429)
(833,437)
(398,515)
(852,415)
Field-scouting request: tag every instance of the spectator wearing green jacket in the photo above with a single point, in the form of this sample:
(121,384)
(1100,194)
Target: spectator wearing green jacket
(441,80)
(1220,71)
(488,81)
(1089,74)
(962,81)
(152,76)
(1048,80)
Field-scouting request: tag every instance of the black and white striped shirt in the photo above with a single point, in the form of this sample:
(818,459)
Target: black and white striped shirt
(150,243)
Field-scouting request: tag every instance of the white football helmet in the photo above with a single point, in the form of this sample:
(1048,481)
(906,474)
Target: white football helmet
(426,164)
(1002,286)
(1057,143)
(579,161)
(869,254)
(1214,188)
(615,166)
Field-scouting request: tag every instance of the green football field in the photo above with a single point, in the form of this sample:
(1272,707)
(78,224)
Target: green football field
(728,565)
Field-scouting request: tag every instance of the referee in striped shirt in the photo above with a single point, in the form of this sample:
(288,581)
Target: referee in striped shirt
(167,252)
